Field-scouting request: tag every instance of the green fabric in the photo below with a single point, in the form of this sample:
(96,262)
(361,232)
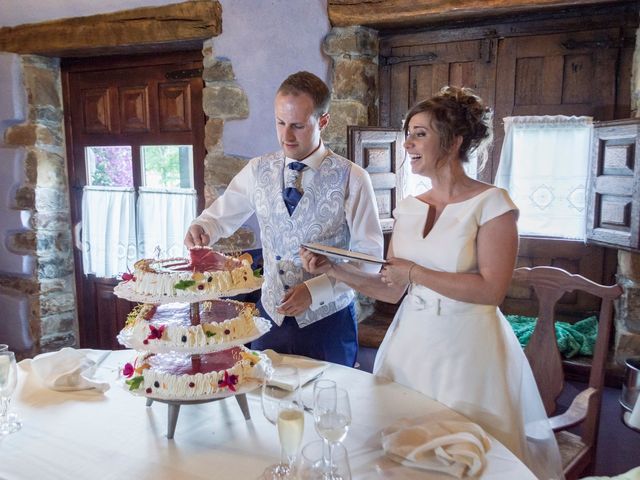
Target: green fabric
(573,338)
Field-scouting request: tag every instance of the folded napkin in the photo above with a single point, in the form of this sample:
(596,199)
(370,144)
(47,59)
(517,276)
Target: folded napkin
(453,447)
(633,418)
(69,369)
(308,368)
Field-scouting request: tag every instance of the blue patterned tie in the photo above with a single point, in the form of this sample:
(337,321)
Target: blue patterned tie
(291,193)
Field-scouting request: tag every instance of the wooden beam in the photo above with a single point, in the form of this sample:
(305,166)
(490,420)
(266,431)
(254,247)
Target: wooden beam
(412,13)
(147,27)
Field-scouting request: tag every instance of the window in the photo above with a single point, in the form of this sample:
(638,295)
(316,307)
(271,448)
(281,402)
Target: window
(140,222)
(544,165)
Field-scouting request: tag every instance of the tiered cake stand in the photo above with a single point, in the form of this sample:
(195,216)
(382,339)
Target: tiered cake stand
(124,290)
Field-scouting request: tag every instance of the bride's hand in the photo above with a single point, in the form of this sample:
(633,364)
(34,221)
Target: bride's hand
(396,271)
(314,263)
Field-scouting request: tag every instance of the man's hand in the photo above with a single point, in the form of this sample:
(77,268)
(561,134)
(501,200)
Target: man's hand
(295,301)
(196,237)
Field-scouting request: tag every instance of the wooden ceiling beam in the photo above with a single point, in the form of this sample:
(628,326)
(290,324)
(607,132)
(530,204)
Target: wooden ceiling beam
(412,13)
(147,28)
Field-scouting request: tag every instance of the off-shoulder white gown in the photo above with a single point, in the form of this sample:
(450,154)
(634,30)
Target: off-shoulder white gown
(461,354)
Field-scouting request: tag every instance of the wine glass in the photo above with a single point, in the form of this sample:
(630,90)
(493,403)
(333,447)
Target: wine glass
(311,456)
(283,386)
(332,416)
(8,381)
(318,385)
(290,430)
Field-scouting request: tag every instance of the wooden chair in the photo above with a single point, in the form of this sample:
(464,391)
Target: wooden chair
(550,284)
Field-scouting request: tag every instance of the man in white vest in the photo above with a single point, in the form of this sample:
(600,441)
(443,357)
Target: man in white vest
(302,193)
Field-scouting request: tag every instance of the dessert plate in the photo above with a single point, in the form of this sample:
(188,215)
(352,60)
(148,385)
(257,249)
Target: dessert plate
(342,254)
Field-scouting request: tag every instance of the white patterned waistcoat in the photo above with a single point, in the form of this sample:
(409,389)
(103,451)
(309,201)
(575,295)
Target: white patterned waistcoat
(319,218)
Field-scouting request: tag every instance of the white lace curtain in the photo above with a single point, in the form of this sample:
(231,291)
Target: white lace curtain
(116,232)
(544,166)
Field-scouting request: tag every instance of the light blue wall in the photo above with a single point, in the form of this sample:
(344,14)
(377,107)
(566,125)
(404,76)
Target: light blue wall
(266,40)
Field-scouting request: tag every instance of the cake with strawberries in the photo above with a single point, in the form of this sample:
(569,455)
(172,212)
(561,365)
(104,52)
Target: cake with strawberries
(185,377)
(205,274)
(169,327)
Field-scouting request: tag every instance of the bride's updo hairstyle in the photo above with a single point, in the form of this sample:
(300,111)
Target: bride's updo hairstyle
(456,112)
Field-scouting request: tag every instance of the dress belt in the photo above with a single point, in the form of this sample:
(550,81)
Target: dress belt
(427,300)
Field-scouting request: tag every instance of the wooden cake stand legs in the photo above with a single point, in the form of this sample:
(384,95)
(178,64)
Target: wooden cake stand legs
(173,409)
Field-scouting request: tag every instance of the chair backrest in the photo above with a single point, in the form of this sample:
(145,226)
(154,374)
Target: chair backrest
(550,284)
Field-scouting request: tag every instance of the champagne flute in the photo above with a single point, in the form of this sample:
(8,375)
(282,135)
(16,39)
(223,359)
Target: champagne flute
(8,382)
(321,384)
(290,430)
(273,393)
(332,416)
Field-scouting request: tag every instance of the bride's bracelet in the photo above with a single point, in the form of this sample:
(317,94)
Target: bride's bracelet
(411,268)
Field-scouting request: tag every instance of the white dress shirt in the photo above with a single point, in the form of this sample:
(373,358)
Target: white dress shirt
(229,211)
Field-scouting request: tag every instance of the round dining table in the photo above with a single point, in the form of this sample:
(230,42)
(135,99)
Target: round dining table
(113,435)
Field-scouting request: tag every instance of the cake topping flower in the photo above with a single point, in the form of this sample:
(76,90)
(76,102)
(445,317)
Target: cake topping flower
(128,370)
(229,381)
(155,333)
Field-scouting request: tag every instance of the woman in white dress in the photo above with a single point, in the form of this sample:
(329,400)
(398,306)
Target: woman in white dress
(454,248)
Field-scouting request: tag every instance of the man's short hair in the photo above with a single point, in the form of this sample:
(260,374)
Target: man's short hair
(306,82)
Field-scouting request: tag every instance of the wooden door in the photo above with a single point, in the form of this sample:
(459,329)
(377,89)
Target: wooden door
(130,102)
(411,73)
(572,73)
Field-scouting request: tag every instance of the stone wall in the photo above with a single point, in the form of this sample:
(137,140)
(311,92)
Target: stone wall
(223,99)
(354,84)
(627,323)
(45,195)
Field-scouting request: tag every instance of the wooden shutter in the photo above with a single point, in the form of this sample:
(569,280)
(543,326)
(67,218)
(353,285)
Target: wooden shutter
(379,151)
(613,199)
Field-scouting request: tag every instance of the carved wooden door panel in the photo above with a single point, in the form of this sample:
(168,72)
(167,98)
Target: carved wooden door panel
(129,107)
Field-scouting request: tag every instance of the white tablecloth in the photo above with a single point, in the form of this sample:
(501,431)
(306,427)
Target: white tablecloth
(86,435)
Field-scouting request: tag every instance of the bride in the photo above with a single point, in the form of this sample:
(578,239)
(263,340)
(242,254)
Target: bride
(453,251)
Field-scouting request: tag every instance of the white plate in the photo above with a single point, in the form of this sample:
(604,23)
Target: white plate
(262,326)
(342,254)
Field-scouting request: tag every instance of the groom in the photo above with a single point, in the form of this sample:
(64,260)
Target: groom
(303,193)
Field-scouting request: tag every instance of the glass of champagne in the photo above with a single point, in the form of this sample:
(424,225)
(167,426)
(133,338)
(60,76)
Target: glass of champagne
(8,382)
(332,416)
(283,386)
(290,430)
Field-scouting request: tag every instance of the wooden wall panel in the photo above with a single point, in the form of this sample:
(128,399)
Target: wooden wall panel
(134,109)
(96,110)
(175,106)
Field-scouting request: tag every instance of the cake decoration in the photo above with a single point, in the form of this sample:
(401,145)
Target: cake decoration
(168,327)
(175,376)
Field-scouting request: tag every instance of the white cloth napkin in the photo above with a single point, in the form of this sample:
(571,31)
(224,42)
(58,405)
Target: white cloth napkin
(633,418)
(308,368)
(69,369)
(453,447)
